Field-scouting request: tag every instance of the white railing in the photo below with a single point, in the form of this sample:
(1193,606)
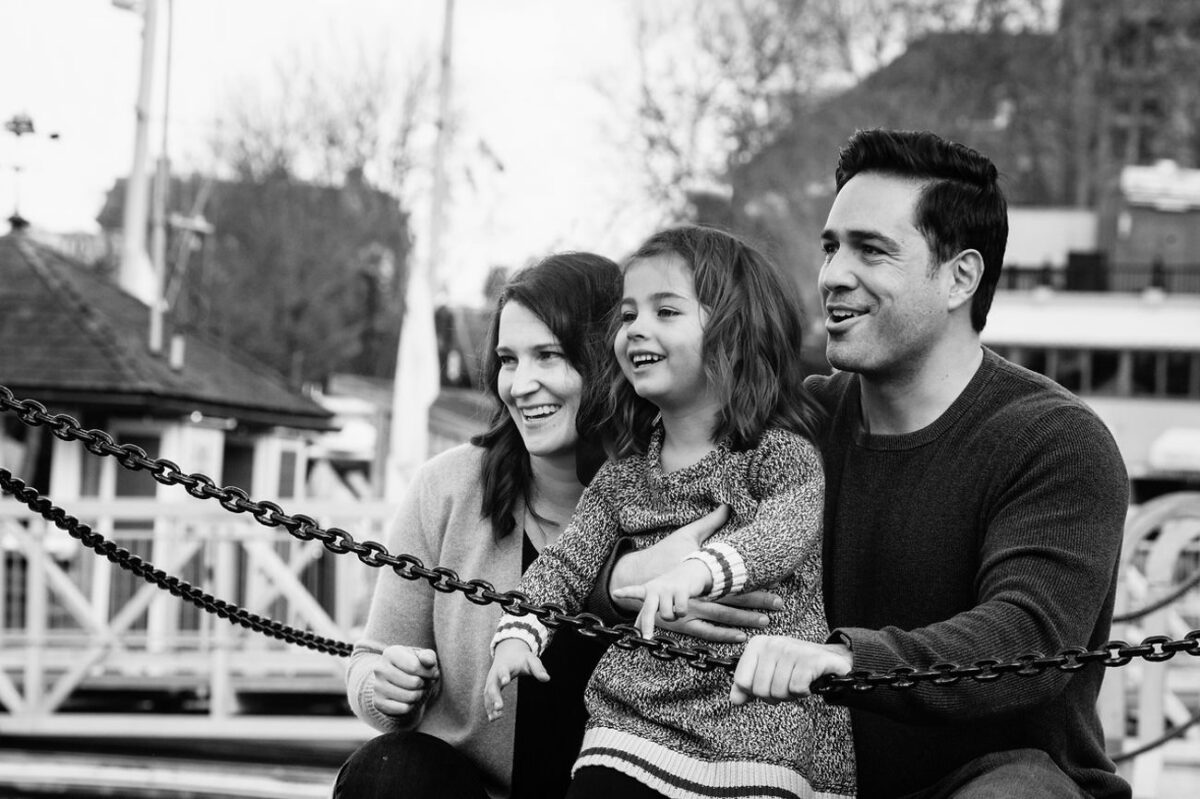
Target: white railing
(71,622)
(1142,700)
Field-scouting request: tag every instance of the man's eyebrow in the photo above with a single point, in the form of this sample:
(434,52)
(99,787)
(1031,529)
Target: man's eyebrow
(861,236)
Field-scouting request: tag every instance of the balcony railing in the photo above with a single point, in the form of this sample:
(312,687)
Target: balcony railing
(1102,277)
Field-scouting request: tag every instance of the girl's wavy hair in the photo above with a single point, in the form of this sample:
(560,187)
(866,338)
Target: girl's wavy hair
(751,343)
(573,294)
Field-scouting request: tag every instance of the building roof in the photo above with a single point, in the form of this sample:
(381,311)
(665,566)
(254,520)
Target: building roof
(67,335)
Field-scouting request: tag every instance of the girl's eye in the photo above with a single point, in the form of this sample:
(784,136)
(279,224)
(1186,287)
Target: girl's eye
(506,360)
(668,312)
(628,316)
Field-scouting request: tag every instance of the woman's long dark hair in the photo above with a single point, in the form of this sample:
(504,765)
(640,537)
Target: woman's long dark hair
(751,344)
(573,294)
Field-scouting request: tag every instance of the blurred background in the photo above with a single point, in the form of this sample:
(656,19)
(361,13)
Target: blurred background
(262,238)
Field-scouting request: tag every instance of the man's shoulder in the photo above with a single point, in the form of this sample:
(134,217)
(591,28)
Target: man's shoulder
(1028,393)
(1034,407)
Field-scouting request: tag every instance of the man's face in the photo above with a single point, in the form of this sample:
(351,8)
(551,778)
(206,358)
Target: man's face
(884,311)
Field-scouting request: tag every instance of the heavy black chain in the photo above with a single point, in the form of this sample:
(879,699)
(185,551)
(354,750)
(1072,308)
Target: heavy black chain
(1114,653)
(168,582)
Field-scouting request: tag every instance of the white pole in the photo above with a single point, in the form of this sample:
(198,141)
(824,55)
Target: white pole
(162,185)
(418,374)
(136,274)
(438,198)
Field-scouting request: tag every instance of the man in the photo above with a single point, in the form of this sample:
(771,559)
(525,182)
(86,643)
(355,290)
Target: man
(974,509)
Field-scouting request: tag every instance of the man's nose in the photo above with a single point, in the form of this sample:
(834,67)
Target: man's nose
(837,272)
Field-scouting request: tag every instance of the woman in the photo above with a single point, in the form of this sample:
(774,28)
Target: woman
(485,509)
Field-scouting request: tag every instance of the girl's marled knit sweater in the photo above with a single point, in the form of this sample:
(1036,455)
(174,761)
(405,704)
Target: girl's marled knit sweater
(670,726)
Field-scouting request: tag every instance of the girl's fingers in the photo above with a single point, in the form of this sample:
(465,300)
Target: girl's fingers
(681,603)
(493,702)
(630,592)
(537,670)
(645,619)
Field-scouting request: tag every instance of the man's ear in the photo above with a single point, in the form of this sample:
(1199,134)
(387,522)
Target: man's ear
(966,273)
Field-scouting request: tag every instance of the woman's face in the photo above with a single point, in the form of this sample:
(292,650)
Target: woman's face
(536,382)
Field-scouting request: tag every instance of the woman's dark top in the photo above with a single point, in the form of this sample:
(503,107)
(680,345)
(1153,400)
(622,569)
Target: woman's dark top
(551,715)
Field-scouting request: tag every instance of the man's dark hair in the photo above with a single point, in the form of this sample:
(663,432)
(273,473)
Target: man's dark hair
(960,206)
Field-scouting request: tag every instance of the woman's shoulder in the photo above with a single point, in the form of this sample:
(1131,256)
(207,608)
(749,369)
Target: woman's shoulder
(453,467)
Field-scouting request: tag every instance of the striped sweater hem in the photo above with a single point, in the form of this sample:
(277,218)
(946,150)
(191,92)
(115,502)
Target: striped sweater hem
(680,776)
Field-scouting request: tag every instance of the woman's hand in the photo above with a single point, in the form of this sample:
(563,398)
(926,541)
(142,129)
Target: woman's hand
(513,658)
(716,622)
(644,565)
(403,677)
(666,597)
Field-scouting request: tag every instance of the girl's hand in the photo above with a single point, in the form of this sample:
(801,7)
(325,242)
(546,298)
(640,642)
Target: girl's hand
(402,679)
(666,597)
(513,658)
(775,668)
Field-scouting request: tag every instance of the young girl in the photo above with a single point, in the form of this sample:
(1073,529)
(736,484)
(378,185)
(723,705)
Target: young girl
(709,410)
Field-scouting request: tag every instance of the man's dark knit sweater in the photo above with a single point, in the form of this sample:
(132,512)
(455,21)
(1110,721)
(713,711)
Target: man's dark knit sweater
(993,532)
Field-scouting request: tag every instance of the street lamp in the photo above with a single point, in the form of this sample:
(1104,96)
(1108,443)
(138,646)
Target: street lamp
(20,125)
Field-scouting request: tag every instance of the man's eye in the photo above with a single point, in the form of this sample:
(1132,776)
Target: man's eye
(828,247)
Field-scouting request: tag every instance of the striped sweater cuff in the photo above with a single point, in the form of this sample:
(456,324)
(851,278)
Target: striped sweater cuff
(525,628)
(727,567)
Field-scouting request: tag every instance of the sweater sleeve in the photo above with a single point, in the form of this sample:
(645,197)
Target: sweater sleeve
(1048,557)
(401,611)
(786,478)
(566,571)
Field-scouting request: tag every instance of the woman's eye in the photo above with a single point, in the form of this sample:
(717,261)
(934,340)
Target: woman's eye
(506,360)
(549,355)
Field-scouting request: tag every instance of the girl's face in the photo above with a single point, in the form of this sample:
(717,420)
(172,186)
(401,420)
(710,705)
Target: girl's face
(660,342)
(536,382)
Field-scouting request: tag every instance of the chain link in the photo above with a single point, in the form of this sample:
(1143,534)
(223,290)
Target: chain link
(625,636)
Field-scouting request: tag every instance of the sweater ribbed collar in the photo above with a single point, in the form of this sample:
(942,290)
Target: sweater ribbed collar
(934,430)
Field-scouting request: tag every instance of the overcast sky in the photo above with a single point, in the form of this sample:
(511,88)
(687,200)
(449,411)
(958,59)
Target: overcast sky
(526,76)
